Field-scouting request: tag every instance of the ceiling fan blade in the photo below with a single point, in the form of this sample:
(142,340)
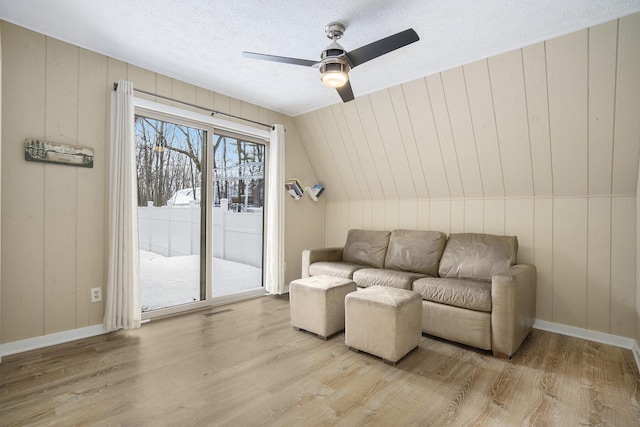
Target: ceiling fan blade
(345,92)
(284,59)
(382,46)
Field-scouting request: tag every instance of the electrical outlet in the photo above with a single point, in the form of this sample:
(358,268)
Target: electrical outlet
(96,294)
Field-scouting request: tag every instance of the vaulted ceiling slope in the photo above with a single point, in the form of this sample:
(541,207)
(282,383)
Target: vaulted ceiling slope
(557,118)
(200,41)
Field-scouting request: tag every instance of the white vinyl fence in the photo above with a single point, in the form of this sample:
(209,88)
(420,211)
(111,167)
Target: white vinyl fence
(175,231)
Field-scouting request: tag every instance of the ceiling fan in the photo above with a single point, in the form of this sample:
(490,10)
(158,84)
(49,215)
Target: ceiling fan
(336,62)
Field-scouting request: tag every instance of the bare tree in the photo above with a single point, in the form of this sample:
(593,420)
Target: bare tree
(168,159)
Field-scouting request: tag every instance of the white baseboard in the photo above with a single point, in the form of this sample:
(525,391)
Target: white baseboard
(636,354)
(587,334)
(48,340)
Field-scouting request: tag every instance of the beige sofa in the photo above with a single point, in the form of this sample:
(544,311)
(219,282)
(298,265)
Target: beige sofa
(473,292)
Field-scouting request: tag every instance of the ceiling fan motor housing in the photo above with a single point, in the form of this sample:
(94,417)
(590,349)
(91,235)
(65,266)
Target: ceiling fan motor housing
(334,61)
(334,54)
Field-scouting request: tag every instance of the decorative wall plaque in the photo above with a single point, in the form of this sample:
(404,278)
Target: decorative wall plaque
(37,150)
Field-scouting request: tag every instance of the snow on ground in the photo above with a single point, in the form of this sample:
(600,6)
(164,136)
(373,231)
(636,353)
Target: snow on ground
(168,281)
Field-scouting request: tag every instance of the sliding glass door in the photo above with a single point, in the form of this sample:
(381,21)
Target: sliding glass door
(201,198)
(170,159)
(238,214)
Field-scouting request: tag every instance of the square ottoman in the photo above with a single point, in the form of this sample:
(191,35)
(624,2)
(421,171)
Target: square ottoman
(383,321)
(317,304)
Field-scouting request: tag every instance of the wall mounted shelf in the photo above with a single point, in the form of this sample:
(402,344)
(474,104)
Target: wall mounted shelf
(296,189)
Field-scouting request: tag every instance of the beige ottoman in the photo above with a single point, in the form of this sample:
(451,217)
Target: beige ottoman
(383,321)
(317,304)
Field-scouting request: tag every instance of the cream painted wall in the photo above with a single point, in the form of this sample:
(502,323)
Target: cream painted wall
(54,217)
(0,183)
(638,260)
(542,142)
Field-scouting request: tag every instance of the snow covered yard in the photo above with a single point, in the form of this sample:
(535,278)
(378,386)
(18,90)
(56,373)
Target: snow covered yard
(169,281)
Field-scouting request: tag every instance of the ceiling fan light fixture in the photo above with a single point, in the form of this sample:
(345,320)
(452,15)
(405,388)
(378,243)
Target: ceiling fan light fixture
(334,74)
(335,62)
(334,78)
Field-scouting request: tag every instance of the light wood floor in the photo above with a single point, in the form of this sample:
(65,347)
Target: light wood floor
(246,366)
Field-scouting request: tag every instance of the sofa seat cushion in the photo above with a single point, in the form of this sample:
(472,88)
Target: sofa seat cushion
(344,270)
(457,324)
(382,277)
(366,247)
(477,256)
(415,250)
(463,293)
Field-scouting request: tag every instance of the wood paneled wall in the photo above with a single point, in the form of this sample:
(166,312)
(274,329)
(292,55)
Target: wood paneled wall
(0,177)
(541,142)
(54,218)
(638,260)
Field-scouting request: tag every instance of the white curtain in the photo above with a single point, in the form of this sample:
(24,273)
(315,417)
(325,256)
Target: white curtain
(274,234)
(123,291)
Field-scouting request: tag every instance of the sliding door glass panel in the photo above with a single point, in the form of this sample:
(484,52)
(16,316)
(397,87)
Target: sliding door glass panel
(170,179)
(238,198)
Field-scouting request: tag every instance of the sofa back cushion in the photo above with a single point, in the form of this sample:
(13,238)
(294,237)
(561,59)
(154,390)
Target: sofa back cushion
(366,247)
(416,251)
(477,256)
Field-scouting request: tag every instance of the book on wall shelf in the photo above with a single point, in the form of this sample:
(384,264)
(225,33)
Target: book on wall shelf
(316,191)
(294,188)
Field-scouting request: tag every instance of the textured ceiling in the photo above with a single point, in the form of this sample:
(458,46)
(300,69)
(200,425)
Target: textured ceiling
(201,41)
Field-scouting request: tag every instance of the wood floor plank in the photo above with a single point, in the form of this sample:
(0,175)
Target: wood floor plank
(248,367)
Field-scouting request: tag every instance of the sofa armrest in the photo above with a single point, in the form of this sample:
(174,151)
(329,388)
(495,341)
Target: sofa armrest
(513,295)
(309,256)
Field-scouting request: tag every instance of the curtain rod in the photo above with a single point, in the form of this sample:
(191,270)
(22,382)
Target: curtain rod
(213,112)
